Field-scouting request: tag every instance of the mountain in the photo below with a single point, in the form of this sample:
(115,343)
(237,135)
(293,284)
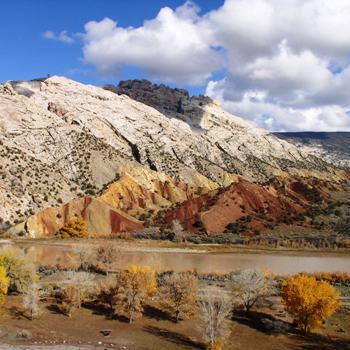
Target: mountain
(334,147)
(120,156)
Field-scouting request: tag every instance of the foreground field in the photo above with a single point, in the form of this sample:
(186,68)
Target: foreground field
(154,331)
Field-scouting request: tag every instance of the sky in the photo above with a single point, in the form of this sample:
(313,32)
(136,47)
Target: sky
(285,65)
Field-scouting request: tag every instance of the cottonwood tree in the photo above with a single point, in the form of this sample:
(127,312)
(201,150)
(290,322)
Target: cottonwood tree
(249,286)
(309,301)
(20,271)
(215,308)
(4,284)
(31,299)
(74,228)
(133,287)
(178,294)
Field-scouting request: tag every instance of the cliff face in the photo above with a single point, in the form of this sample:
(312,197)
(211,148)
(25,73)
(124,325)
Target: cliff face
(60,140)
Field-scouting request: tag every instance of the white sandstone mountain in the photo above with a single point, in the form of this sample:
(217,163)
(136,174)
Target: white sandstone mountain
(60,139)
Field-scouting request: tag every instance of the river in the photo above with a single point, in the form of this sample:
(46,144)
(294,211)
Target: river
(286,262)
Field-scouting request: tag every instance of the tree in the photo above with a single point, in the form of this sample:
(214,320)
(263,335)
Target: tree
(133,286)
(69,299)
(74,228)
(177,230)
(106,256)
(19,270)
(249,286)
(106,291)
(214,311)
(31,300)
(84,256)
(309,301)
(4,284)
(179,294)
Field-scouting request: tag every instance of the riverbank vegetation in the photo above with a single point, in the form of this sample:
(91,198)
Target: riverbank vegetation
(214,303)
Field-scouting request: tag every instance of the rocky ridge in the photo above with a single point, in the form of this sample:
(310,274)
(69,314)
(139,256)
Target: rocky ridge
(60,140)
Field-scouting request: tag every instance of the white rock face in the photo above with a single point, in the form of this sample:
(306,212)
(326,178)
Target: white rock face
(60,139)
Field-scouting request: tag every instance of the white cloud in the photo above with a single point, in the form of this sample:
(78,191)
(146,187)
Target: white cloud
(62,36)
(286,63)
(279,55)
(256,106)
(170,47)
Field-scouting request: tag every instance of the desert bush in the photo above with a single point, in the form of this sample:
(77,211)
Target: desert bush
(309,301)
(30,300)
(19,270)
(178,294)
(133,287)
(249,286)
(4,284)
(69,299)
(74,228)
(215,307)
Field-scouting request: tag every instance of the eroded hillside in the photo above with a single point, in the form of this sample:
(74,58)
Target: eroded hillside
(61,140)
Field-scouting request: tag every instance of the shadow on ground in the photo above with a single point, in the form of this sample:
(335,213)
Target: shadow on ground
(319,342)
(259,320)
(174,337)
(155,313)
(255,320)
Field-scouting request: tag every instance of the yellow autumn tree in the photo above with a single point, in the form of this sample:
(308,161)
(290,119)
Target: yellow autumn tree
(178,294)
(133,287)
(309,301)
(74,228)
(4,283)
(19,270)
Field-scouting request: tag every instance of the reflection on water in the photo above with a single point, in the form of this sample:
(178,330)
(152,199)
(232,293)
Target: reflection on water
(202,262)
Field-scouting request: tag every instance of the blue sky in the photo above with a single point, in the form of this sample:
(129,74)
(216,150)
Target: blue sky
(26,54)
(285,65)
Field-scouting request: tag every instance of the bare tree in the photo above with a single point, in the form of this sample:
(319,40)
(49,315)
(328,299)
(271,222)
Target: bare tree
(215,307)
(84,255)
(177,230)
(30,299)
(249,286)
(178,294)
(106,256)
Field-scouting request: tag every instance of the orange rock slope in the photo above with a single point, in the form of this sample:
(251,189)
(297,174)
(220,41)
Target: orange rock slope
(260,205)
(101,218)
(124,207)
(142,197)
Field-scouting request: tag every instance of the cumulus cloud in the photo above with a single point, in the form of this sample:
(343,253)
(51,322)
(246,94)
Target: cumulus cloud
(286,64)
(171,47)
(62,36)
